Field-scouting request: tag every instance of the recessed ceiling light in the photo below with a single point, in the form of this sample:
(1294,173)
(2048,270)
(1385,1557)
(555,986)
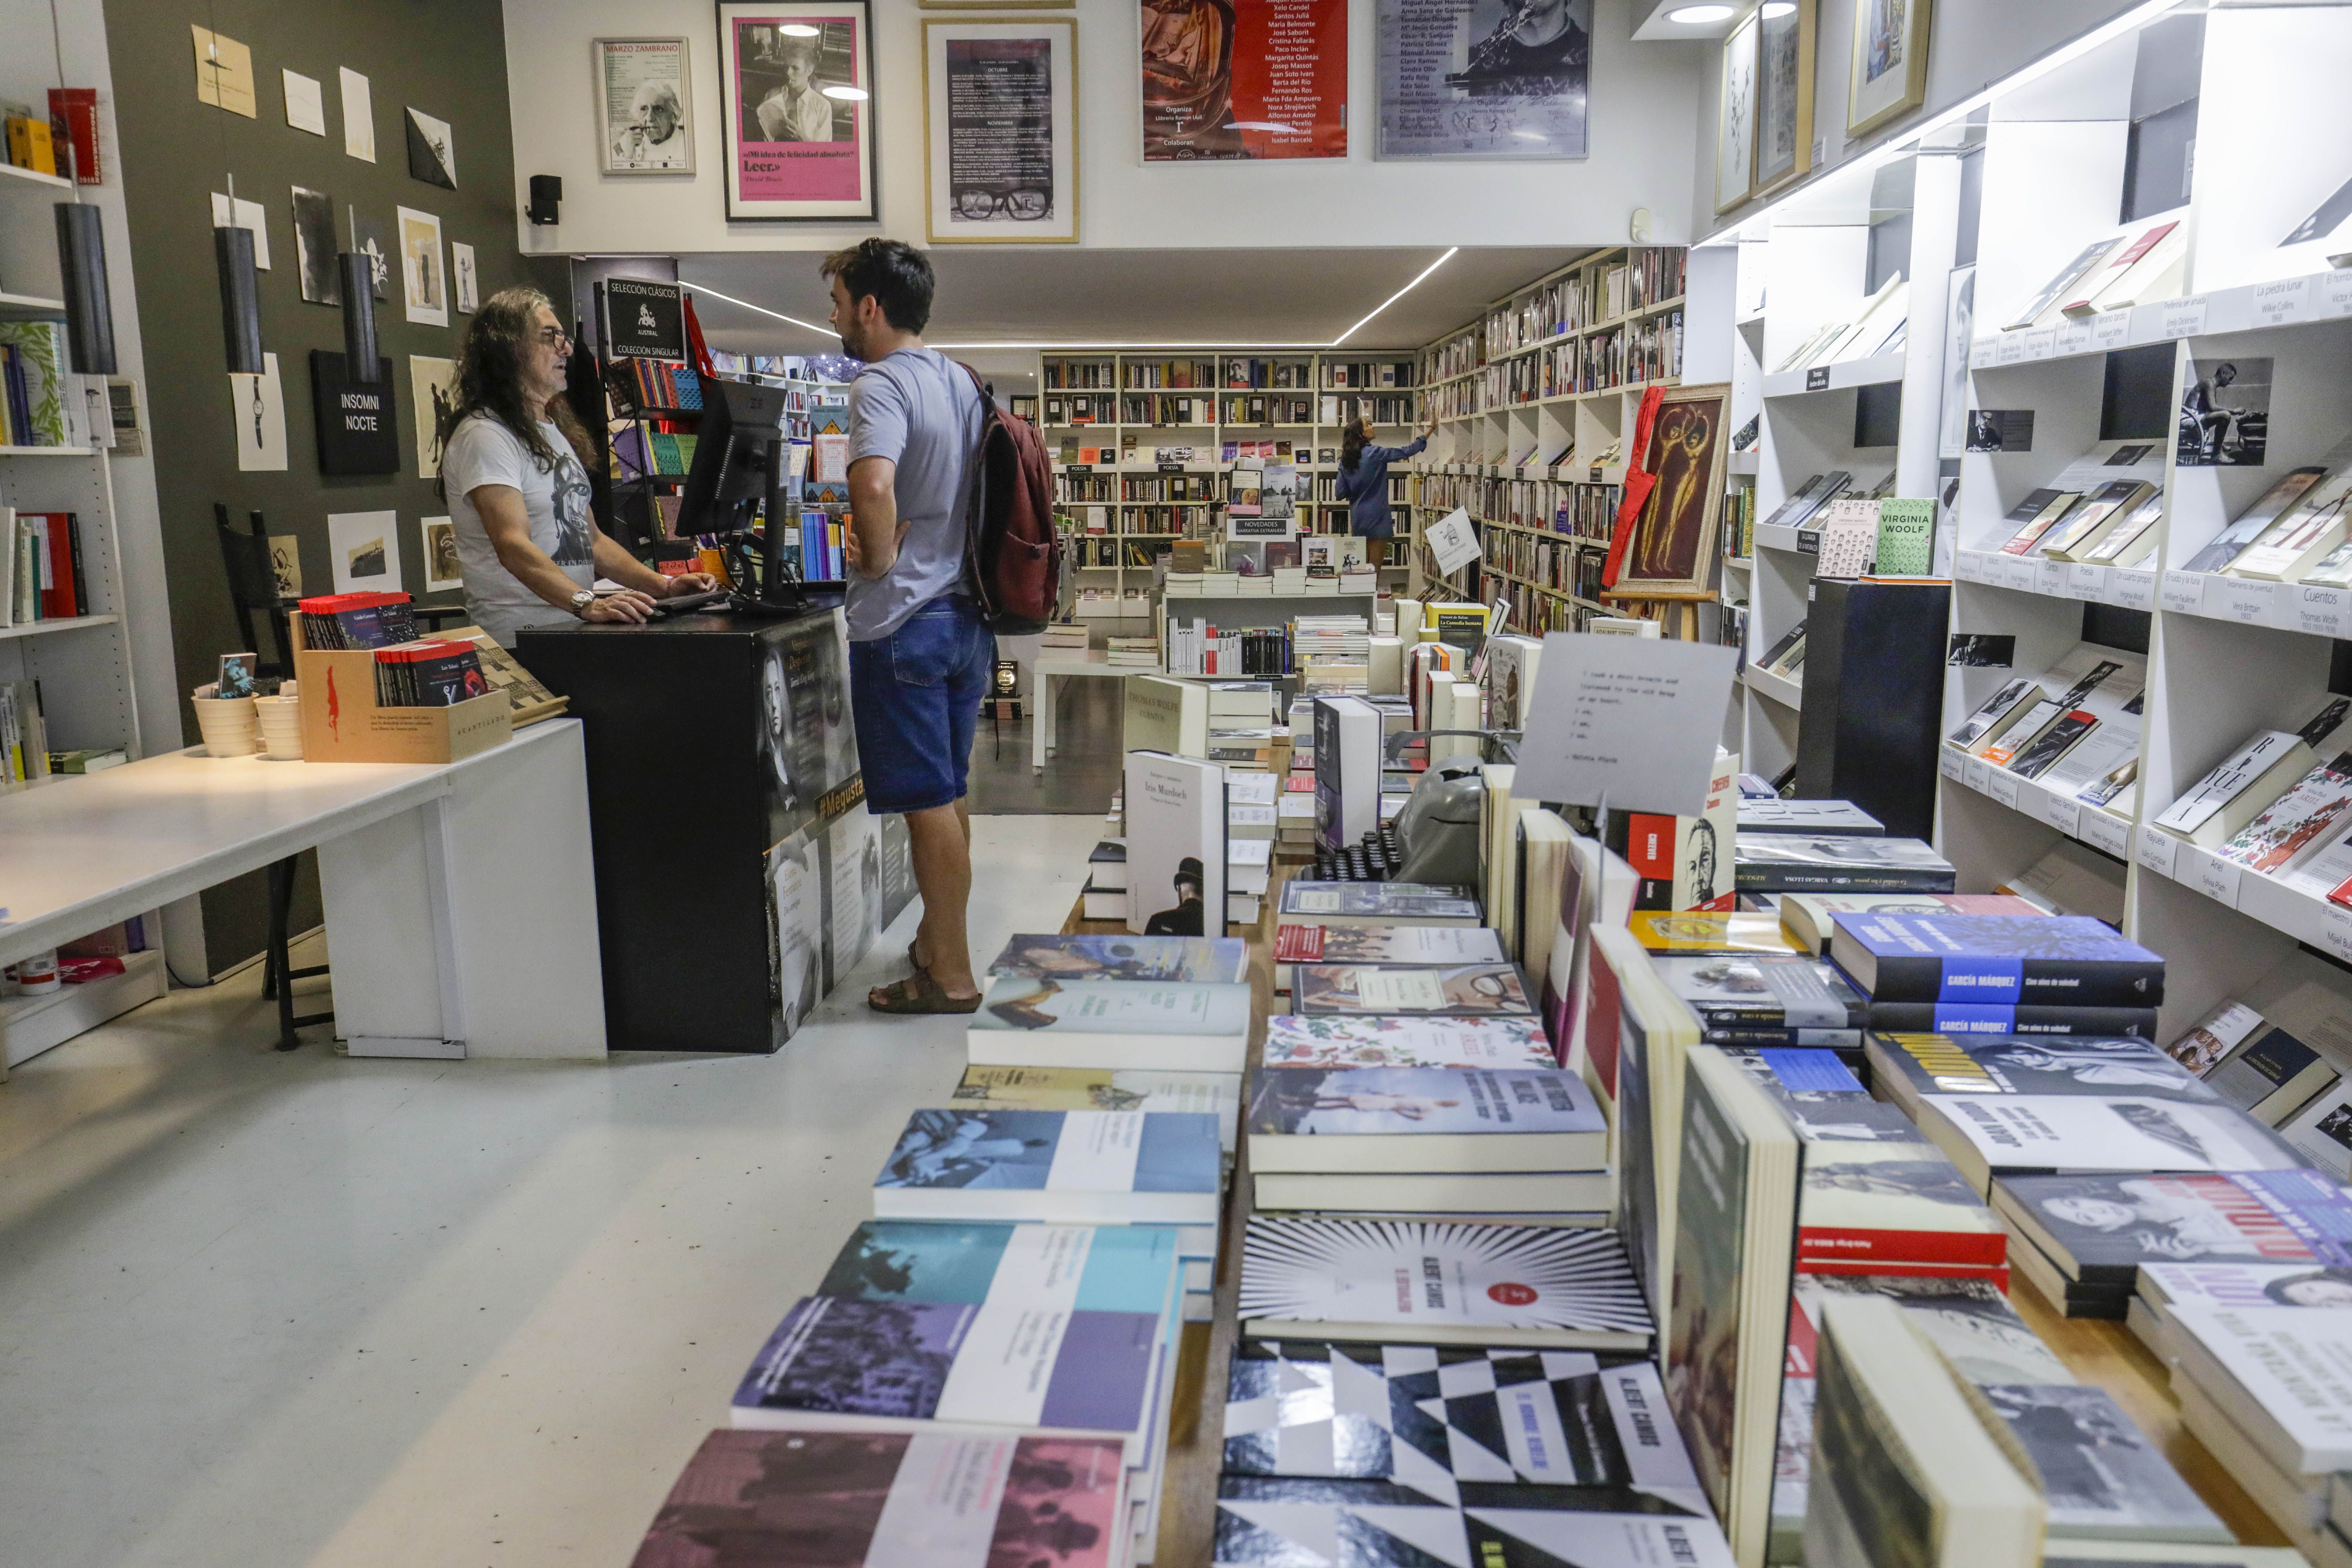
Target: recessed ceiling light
(1695,16)
(799,30)
(1775,9)
(847,94)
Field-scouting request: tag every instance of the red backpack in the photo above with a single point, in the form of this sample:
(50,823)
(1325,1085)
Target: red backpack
(1011,558)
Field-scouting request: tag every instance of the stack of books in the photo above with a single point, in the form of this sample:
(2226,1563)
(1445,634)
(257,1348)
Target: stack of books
(1063,637)
(1132,653)
(1940,973)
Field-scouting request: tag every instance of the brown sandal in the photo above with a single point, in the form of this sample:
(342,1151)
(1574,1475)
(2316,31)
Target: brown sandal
(914,962)
(919,993)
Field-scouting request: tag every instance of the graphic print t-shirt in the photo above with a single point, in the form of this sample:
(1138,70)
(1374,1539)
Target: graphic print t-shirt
(481,451)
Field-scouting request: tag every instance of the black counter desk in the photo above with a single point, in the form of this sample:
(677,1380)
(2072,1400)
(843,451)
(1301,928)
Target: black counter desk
(738,875)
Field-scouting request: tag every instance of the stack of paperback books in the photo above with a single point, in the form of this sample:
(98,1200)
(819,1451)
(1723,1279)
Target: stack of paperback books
(1934,972)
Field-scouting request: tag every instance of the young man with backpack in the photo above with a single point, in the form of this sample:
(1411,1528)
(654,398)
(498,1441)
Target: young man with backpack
(921,653)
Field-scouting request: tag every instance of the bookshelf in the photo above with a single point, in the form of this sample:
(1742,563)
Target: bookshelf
(1534,401)
(1124,511)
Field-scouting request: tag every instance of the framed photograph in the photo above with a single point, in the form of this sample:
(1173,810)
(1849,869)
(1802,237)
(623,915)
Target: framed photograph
(424,277)
(1243,80)
(433,394)
(432,151)
(1490,79)
(1000,130)
(464,281)
(1673,543)
(364,547)
(441,569)
(644,120)
(1889,77)
(1784,93)
(314,247)
(1735,120)
(796,88)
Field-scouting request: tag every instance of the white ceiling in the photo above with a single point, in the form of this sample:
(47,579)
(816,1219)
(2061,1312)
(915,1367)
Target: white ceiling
(1033,295)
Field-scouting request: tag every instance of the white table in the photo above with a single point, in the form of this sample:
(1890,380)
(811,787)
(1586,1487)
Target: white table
(461,897)
(1046,673)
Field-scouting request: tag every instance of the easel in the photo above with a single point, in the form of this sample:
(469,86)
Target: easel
(1677,614)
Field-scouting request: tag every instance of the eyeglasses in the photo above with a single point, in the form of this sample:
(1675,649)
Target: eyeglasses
(555,337)
(1024,206)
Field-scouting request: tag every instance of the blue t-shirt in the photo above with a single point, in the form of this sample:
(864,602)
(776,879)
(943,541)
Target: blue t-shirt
(920,410)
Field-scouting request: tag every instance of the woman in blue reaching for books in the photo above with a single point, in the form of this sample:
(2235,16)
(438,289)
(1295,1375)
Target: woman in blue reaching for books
(1363,483)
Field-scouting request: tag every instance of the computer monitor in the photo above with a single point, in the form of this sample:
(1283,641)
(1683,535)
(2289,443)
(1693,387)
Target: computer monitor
(739,469)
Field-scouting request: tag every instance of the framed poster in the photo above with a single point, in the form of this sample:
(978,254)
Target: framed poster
(424,279)
(1001,131)
(1889,77)
(1490,79)
(1673,543)
(1735,122)
(364,547)
(1784,93)
(645,124)
(796,88)
(1243,80)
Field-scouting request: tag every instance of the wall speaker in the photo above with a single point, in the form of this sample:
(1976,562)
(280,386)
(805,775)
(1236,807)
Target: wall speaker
(90,308)
(357,273)
(546,195)
(240,290)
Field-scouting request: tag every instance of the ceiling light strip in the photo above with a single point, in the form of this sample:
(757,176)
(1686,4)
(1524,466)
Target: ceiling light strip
(779,315)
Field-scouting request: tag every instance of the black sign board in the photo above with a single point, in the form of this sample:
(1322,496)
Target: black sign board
(643,320)
(1818,378)
(359,426)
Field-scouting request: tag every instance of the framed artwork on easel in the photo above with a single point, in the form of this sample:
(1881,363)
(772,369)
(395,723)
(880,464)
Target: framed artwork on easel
(1671,549)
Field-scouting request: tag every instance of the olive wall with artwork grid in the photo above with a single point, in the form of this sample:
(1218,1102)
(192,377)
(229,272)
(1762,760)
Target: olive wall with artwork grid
(447,58)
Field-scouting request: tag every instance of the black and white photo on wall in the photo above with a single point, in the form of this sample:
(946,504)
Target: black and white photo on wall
(1000,125)
(314,247)
(797,91)
(2225,415)
(464,281)
(645,121)
(423,276)
(432,155)
(1982,650)
(2001,430)
(1484,79)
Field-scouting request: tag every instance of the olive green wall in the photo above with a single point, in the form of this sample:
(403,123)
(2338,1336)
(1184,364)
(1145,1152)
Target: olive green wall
(447,58)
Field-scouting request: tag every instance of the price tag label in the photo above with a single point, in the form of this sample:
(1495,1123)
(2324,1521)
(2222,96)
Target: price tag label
(2286,300)
(1980,352)
(2074,336)
(2131,588)
(2335,933)
(2185,317)
(2002,786)
(2104,831)
(2111,331)
(2335,293)
(2215,878)
(2240,600)
(2084,581)
(2156,849)
(1977,776)
(2011,349)
(2050,577)
(2063,813)
(2324,611)
(2040,343)
(1952,762)
(2184,592)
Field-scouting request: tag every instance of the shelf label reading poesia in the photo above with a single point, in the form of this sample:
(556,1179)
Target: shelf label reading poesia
(2284,300)
(2102,831)
(2185,317)
(2184,592)
(2063,813)
(2133,589)
(2156,849)
(2241,599)
(2084,581)
(1976,774)
(2001,784)
(2215,878)
(2111,331)
(2335,933)
(1952,762)
(2325,611)
(2075,336)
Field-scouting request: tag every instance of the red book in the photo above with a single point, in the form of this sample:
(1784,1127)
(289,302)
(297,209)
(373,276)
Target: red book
(73,121)
(1298,944)
(57,578)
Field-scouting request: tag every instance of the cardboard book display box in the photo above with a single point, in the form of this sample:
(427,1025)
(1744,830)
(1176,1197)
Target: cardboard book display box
(342,721)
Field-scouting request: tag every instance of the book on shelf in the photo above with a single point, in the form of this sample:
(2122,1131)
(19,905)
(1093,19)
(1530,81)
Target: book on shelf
(1377,903)
(1538,849)
(1766,999)
(2029,728)
(2251,524)
(2255,776)
(1906,546)
(1347,770)
(1126,1268)
(2062,1022)
(1879,1199)
(1057,1167)
(2322,1132)
(2059,739)
(1102,1089)
(2036,515)
(2047,300)
(1512,661)
(2149,267)
(1543,1197)
(1544,1287)
(1903,1469)
(1840,817)
(1680,859)
(1430,1417)
(2270,1075)
(1176,822)
(1793,863)
(2296,823)
(1709,931)
(807,1498)
(1811,918)
(1161,714)
(2088,525)
(2103,1229)
(1394,1042)
(1395,946)
(1809,498)
(1026,1022)
(2037,1134)
(2271,1369)
(1636,1039)
(1904,955)
(1906,1068)
(1726,1330)
(1849,534)
(1206,960)
(1275,1521)
(2305,534)
(1375,1119)
(1790,647)
(2100,1474)
(1363,989)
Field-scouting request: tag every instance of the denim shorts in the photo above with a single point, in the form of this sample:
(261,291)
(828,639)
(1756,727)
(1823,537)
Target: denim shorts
(915,696)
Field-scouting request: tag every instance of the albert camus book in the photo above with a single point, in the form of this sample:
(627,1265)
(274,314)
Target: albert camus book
(1376,1120)
(1205,960)
(1282,1522)
(1431,1418)
(1903,956)
(1391,1041)
(1783,862)
(1362,990)
(812,1500)
(1544,1287)
(1072,1167)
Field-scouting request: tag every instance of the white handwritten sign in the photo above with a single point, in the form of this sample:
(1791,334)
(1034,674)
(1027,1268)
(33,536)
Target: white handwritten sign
(1632,721)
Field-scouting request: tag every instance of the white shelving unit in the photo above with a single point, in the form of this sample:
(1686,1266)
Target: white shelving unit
(2040,170)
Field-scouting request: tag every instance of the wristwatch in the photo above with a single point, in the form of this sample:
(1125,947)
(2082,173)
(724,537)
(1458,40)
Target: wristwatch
(581,600)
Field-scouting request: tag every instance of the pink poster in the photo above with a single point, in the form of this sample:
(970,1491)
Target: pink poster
(798,99)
